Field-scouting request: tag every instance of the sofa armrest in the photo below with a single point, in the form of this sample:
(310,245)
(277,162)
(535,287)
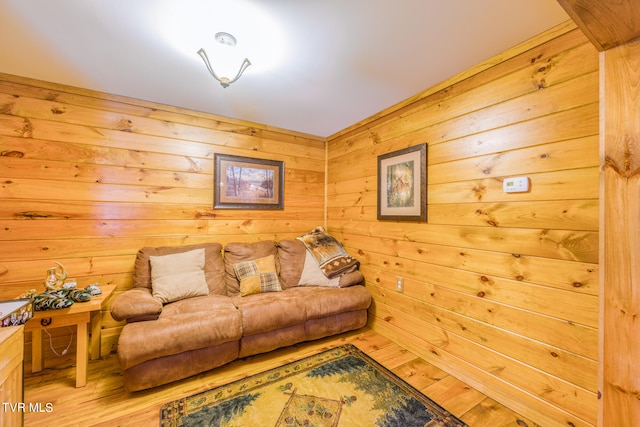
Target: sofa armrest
(135,305)
(351,279)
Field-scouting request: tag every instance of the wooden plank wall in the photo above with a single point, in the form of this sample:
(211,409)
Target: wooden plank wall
(500,289)
(89,178)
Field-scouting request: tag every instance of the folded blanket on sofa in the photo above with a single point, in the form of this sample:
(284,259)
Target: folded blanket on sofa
(329,253)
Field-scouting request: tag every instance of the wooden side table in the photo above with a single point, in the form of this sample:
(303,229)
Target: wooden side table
(79,314)
(11,384)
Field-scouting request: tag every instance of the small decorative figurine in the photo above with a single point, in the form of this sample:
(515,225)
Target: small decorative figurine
(55,280)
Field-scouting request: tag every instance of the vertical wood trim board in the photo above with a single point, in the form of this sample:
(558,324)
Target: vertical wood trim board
(621,241)
(500,289)
(89,178)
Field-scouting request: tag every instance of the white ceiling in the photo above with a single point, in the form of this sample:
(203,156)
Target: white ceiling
(320,65)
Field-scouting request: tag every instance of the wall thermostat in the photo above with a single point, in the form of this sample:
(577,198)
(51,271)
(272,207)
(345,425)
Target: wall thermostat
(518,184)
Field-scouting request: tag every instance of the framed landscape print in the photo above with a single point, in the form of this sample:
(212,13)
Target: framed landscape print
(247,183)
(402,184)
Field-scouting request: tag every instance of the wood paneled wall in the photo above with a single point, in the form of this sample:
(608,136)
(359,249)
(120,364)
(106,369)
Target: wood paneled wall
(88,178)
(500,289)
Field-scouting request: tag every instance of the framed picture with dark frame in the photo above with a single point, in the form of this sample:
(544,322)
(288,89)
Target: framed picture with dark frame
(402,184)
(247,183)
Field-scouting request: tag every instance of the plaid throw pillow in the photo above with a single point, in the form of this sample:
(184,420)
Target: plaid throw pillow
(258,275)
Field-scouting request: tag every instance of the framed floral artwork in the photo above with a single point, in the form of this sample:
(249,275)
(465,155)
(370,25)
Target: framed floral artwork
(402,184)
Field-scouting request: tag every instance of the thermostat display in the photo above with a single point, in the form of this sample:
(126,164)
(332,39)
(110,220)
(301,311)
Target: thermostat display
(518,184)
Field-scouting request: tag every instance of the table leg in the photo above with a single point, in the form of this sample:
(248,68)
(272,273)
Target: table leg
(96,334)
(82,355)
(37,355)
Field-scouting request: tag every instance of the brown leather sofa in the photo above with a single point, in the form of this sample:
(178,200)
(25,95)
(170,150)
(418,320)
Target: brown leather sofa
(165,342)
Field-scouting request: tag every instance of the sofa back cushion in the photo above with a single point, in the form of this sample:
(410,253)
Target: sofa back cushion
(238,252)
(214,270)
(291,254)
(299,268)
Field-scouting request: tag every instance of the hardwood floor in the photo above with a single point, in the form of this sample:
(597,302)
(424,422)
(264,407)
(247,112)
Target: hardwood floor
(103,402)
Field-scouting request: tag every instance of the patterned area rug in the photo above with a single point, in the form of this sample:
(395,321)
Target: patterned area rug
(338,387)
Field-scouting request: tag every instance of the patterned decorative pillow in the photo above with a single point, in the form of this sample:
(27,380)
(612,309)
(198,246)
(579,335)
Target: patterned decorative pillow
(257,276)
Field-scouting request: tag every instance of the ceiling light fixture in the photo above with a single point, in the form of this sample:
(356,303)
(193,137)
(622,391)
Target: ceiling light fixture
(228,41)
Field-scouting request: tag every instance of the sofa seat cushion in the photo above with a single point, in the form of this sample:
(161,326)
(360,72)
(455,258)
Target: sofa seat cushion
(186,325)
(216,303)
(322,301)
(268,311)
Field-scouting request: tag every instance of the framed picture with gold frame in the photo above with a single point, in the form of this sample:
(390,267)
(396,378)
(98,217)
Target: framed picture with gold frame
(247,183)
(402,184)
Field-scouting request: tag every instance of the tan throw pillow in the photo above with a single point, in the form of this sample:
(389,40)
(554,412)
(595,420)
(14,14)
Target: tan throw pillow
(312,275)
(178,276)
(258,275)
